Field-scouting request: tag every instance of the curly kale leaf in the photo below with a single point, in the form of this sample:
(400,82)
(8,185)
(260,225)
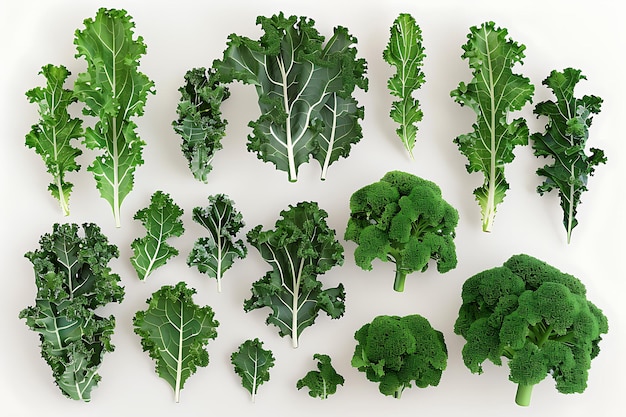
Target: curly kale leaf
(215,254)
(493,92)
(73,279)
(200,122)
(300,248)
(252,363)
(162,220)
(305,89)
(565,139)
(52,135)
(114,91)
(174,331)
(324,381)
(406,53)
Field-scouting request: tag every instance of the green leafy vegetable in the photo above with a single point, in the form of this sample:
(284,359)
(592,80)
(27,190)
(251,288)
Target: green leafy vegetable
(564,139)
(73,280)
(300,248)
(174,331)
(52,135)
(162,221)
(215,254)
(493,92)
(537,317)
(305,89)
(252,363)
(114,91)
(402,219)
(324,381)
(398,351)
(200,122)
(406,53)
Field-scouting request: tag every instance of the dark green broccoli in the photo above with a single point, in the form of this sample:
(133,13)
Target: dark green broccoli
(396,351)
(537,317)
(403,219)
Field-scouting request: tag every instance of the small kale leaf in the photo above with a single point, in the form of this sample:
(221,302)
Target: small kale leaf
(405,52)
(52,135)
(324,381)
(162,221)
(565,139)
(215,254)
(300,248)
(200,122)
(174,331)
(252,363)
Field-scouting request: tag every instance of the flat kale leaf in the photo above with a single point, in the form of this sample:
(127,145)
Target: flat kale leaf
(174,331)
(51,137)
(300,248)
(215,254)
(252,363)
(493,92)
(565,139)
(305,88)
(162,220)
(114,91)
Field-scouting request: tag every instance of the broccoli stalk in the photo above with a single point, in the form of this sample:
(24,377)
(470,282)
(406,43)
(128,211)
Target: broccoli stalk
(403,219)
(536,317)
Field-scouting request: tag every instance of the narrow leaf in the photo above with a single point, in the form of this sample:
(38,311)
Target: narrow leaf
(252,363)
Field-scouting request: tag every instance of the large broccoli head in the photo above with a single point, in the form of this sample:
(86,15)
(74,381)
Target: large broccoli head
(403,219)
(397,351)
(537,317)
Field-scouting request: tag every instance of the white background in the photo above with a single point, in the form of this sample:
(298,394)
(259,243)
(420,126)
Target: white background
(185,34)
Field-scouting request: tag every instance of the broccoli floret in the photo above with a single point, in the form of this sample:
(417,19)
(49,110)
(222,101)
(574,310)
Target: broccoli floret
(398,351)
(535,316)
(403,219)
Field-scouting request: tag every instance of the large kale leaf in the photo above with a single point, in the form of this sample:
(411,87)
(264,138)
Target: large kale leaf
(493,93)
(305,88)
(73,279)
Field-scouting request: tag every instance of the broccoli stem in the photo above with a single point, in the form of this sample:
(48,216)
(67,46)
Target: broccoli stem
(398,283)
(524,392)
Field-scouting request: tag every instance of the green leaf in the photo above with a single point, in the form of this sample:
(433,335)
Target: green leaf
(304,88)
(215,254)
(493,93)
(174,331)
(200,122)
(300,248)
(73,279)
(564,140)
(252,363)
(324,381)
(405,52)
(114,91)
(51,137)
(162,220)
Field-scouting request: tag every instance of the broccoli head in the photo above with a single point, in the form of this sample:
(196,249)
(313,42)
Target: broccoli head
(403,219)
(536,317)
(397,351)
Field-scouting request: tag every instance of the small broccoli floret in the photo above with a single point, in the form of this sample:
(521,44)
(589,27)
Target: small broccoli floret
(535,316)
(403,219)
(398,351)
